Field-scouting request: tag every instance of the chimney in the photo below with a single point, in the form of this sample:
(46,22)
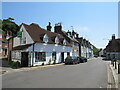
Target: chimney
(58,28)
(113,37)
(68,33)
(77,35)
(49,27)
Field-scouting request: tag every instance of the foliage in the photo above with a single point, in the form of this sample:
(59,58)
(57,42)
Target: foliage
(54,62)
(49,62)
(14,64)
(8,26)
(95,50)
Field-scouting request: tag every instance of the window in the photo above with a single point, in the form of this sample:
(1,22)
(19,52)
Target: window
(54,56)
(45,38)
(6,44)
(0,35)
(0,50)
(64,42)
(24,40)
(0,43)
(40,56)
(56,40)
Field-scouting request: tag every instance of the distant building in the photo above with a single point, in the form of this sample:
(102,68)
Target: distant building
(101,52)
(113,48)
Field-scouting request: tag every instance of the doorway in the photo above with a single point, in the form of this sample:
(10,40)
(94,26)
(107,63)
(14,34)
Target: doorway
(24,59)
(62,57)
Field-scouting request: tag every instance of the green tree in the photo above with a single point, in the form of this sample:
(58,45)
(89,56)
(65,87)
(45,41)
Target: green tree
(95,50)
(10,27)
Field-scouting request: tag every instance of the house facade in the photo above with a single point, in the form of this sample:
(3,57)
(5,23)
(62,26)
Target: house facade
(113,49)
(85,47)
(3,46)
(70,37)
(37,46)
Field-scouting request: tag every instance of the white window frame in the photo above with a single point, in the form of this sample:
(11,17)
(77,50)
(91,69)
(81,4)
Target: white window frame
(56,40)
(64,42)
(45,38)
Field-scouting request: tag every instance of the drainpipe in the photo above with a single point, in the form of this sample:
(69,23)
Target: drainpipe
(33,54)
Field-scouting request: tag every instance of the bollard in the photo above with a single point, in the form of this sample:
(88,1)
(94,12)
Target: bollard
(115,65)
(119,68)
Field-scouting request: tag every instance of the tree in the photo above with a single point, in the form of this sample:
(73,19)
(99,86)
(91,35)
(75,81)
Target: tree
(95,50)
(10,27)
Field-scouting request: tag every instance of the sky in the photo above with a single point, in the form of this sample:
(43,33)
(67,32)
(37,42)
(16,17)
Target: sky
(94,21)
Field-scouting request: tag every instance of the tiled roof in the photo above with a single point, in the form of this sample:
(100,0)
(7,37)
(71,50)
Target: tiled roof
(37,33)
(113,46)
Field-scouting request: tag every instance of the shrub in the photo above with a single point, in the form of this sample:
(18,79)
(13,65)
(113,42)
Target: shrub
(54,62)
(14,64)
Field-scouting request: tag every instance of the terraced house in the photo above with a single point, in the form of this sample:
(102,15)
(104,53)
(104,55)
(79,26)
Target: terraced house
(37,46)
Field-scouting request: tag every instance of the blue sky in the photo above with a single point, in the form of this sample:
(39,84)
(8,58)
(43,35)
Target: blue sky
(95,21)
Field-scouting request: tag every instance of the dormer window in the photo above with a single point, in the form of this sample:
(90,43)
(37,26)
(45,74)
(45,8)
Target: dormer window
(45,38)
(56,40)
(64,42)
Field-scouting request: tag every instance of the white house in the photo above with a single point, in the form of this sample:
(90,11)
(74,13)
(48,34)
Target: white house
(37,46)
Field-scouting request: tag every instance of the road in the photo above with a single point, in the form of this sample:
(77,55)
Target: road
(92,74)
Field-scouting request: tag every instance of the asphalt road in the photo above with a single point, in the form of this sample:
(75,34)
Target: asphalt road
(92,74)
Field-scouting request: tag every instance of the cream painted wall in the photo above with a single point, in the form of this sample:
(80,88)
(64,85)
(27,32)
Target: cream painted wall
(17,41)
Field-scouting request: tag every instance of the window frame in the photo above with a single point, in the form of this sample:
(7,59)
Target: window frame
(39,56)
(46,38)
(64,42)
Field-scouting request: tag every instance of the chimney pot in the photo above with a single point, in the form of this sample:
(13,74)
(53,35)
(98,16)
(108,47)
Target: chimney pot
(113,36)
(49,27)
(58,28)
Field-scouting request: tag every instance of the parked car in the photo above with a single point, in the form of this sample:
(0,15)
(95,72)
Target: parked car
(72,60)
(82,59)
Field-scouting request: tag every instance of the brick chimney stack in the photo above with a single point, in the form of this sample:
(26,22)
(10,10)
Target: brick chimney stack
(49,27)
(58,28)
(113,37)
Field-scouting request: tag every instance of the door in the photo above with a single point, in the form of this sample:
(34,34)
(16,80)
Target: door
(24,59)
(62,57)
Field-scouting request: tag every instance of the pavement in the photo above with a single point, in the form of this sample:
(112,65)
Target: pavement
(115,75)
(7,69)
(92,74)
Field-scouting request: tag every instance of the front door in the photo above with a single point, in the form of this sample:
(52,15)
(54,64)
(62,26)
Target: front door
(62,57)
(24,59)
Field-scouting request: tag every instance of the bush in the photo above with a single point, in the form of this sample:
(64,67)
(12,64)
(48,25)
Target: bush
(14,64)
(54,62)
(10,63)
